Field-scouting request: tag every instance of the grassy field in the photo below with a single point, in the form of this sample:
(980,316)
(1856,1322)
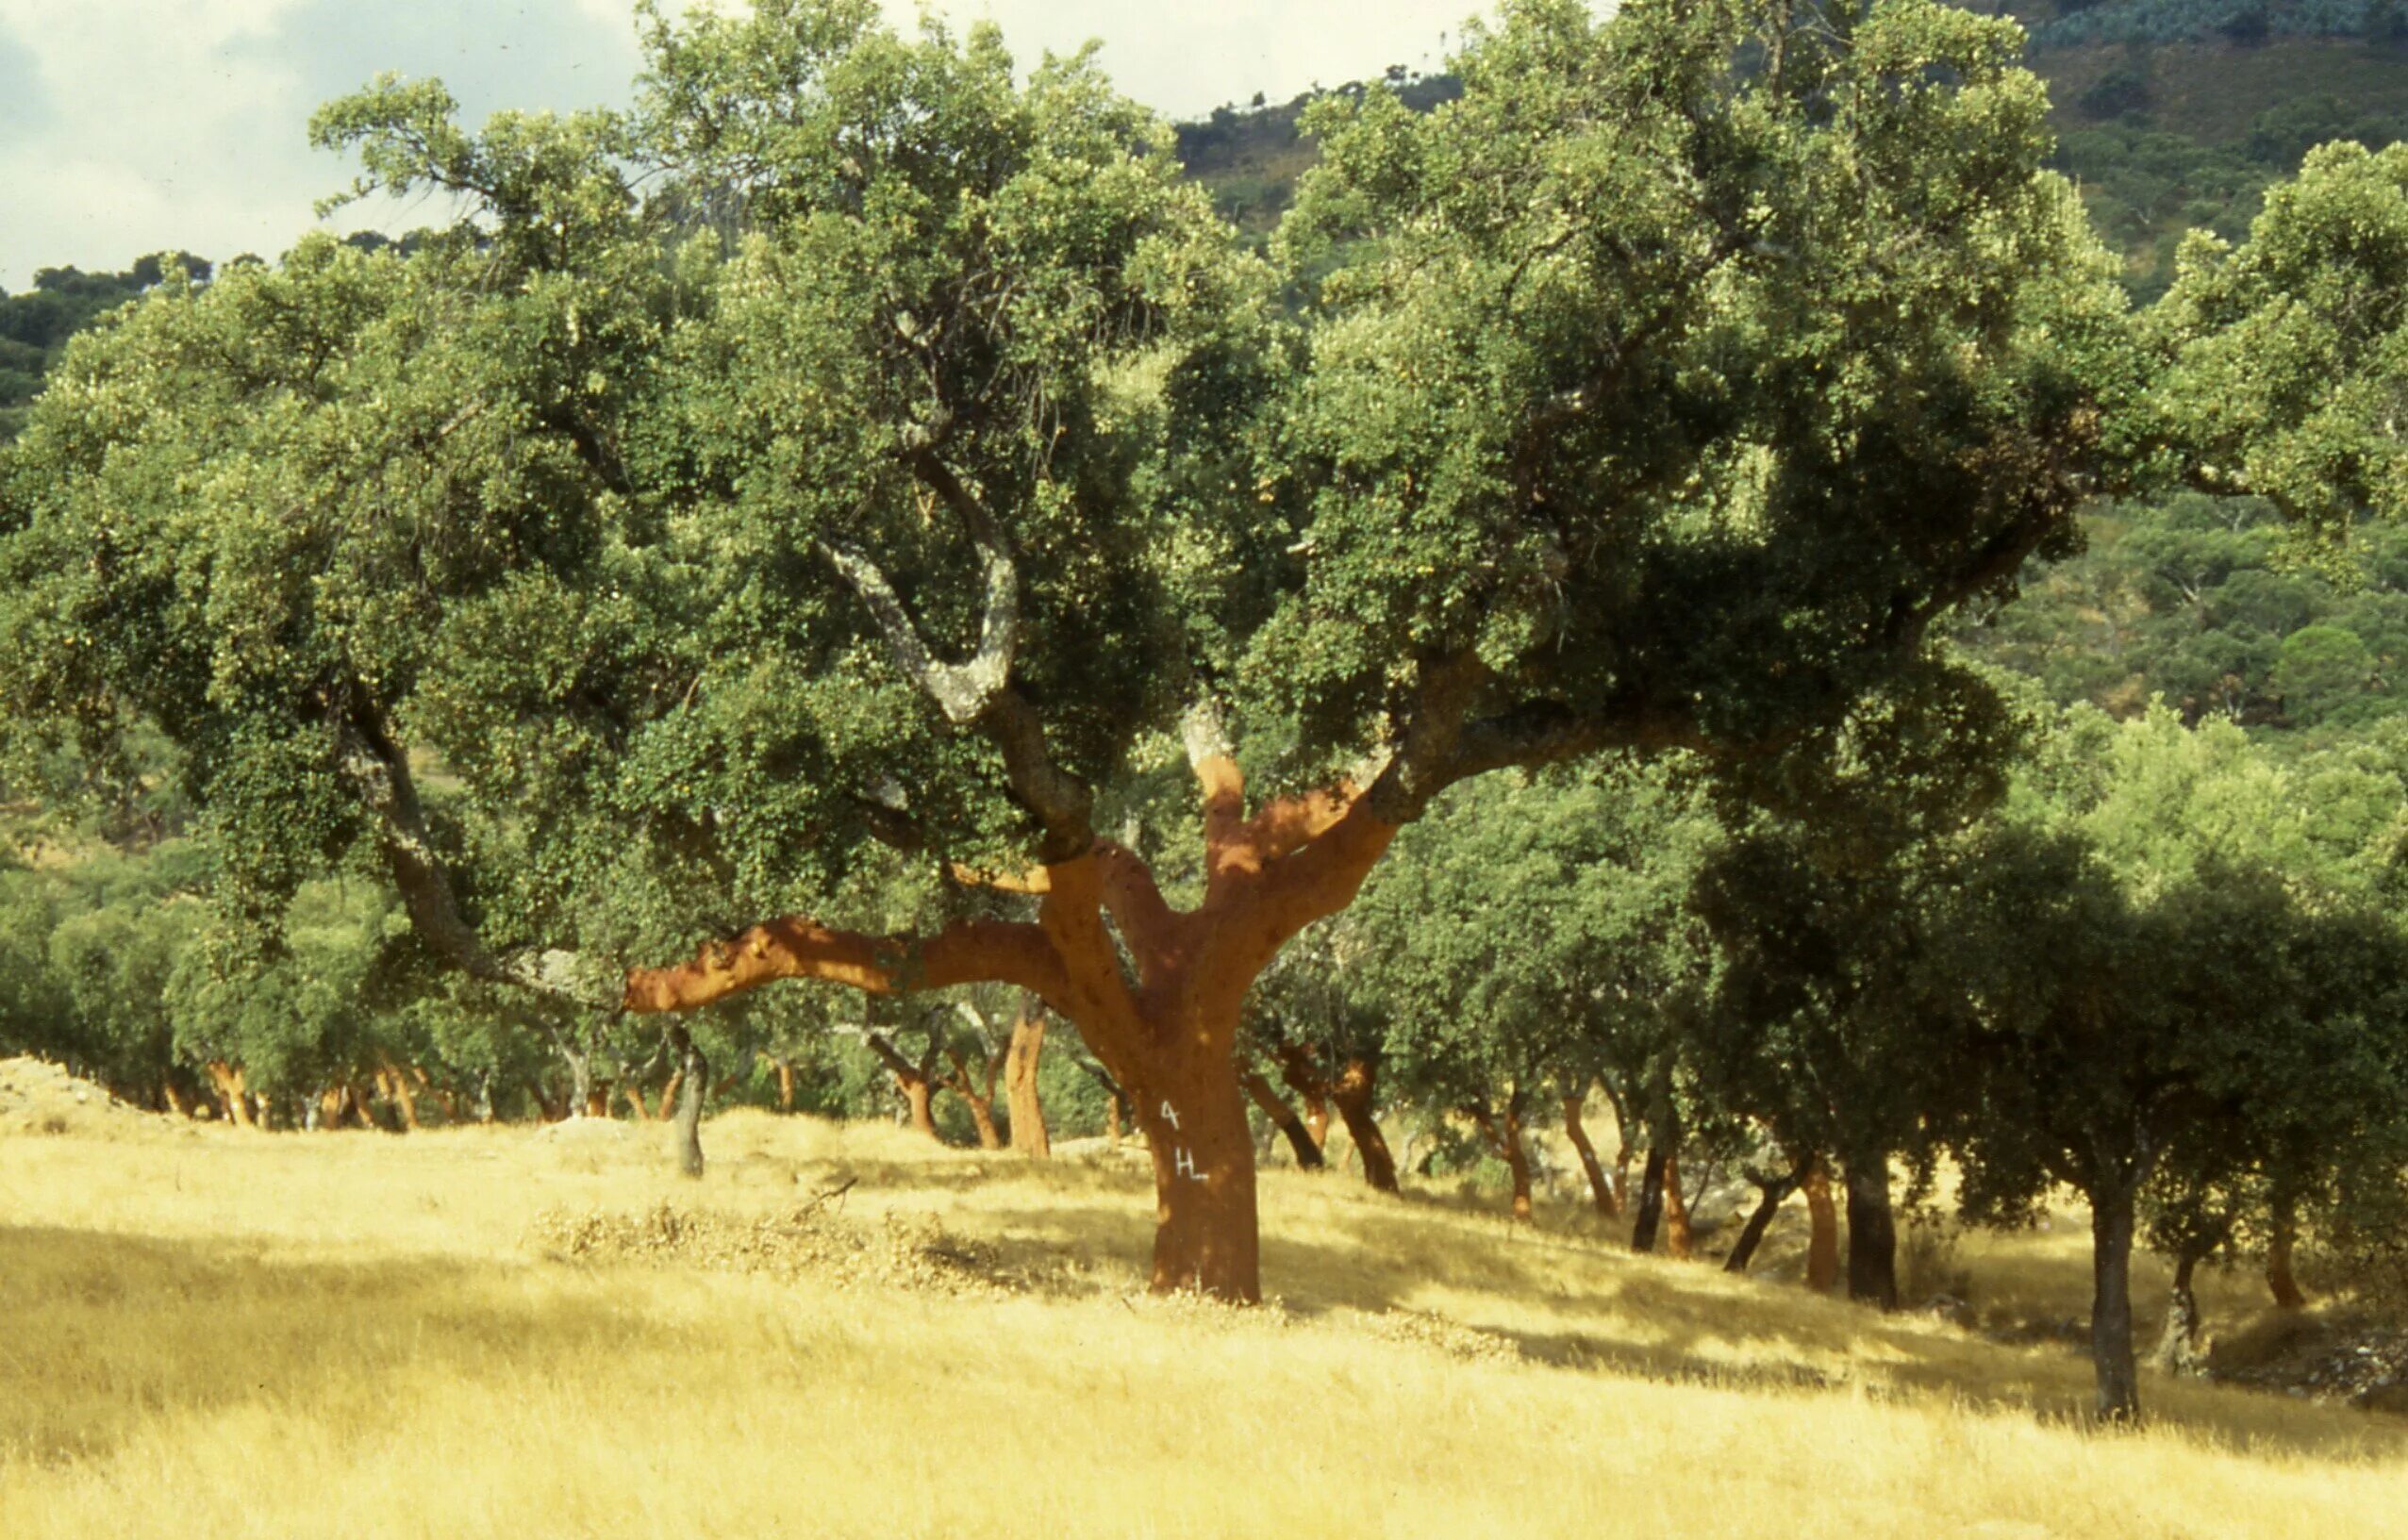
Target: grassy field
(514,1332)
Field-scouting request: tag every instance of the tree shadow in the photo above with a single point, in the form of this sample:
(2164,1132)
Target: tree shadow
(106,1333)
(1581,1303)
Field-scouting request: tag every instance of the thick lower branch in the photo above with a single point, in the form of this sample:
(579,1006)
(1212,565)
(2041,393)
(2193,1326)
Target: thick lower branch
(976,951)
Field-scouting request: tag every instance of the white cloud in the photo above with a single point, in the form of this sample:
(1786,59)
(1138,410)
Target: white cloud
(158,123)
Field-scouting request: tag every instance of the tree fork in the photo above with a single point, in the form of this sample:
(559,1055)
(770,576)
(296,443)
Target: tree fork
(1353,1095)
(1283,1117)
(1600,1190)
(1169,1037)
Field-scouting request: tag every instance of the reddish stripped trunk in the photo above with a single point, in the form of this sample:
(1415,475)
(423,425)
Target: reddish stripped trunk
(1297,1068)
(1353,1095)
(233,1093)
(1823,1238)
(1283,1117)
(1029,1135)
(918,1096)
(1599,1190)
(916,1081)
(1677,1244)
(979,1099)
(1169,1036)
(785,1084)
(2281,1281)
(1504,1138)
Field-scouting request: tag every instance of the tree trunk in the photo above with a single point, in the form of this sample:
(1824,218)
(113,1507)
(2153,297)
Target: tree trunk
(1599,1188)
(2178,1349)
(1677,1243)
(916,1082)
(1873,1234)
(2282,1238)
(1206,1236)
(1505,1142)
(581,1087)
(2111,1349)
(1297,1068)
(232,1091)
(403,1096)
(1029,1134)
(661,1110)
(1155,993)
(1353,1096)
(1771,1192)
(1822,1235)
(176,1102)
(1651,1201)
(918,1094)
(1283,1116)
(693,1079)
(784,1069)
(982,1116)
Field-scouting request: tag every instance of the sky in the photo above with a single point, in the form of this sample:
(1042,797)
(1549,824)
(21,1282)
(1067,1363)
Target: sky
(130,127)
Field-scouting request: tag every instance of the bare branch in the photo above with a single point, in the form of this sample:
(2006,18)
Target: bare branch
(378,771)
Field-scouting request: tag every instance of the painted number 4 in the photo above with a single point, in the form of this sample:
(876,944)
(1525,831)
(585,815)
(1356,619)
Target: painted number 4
(1183,1162)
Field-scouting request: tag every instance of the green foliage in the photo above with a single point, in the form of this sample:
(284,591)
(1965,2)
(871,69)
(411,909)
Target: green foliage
(1527,438)
(1532,935)
(2286,353)
(2237,20)
(35,325)
(2197,600)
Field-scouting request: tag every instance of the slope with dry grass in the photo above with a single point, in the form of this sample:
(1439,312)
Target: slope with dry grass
(517,1333)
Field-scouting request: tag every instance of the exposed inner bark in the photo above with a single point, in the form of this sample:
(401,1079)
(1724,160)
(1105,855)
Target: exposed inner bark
(1822,1234)
(1029,1135)
(785,1070)
(1168,1036)
(393,1086)
(1505,1137)
(1873,1234)
(1354,1094)
(916,1080)
(233,1093)
(1283,1117)
(977,1095)
(1599,1189)
(2282,1238)
(1677,1242)
(1297,1068)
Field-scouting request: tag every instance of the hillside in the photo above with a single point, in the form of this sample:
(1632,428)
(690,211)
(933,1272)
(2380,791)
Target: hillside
(496,1331)
(2172,114)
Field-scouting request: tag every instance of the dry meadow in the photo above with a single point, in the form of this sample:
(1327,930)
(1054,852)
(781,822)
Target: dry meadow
(515,1332)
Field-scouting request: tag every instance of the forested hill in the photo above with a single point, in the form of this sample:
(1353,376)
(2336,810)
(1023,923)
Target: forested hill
(35,325)
(2171,113)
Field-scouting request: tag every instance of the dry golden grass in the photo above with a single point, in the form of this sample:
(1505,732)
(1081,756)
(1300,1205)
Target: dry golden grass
(205,1332)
